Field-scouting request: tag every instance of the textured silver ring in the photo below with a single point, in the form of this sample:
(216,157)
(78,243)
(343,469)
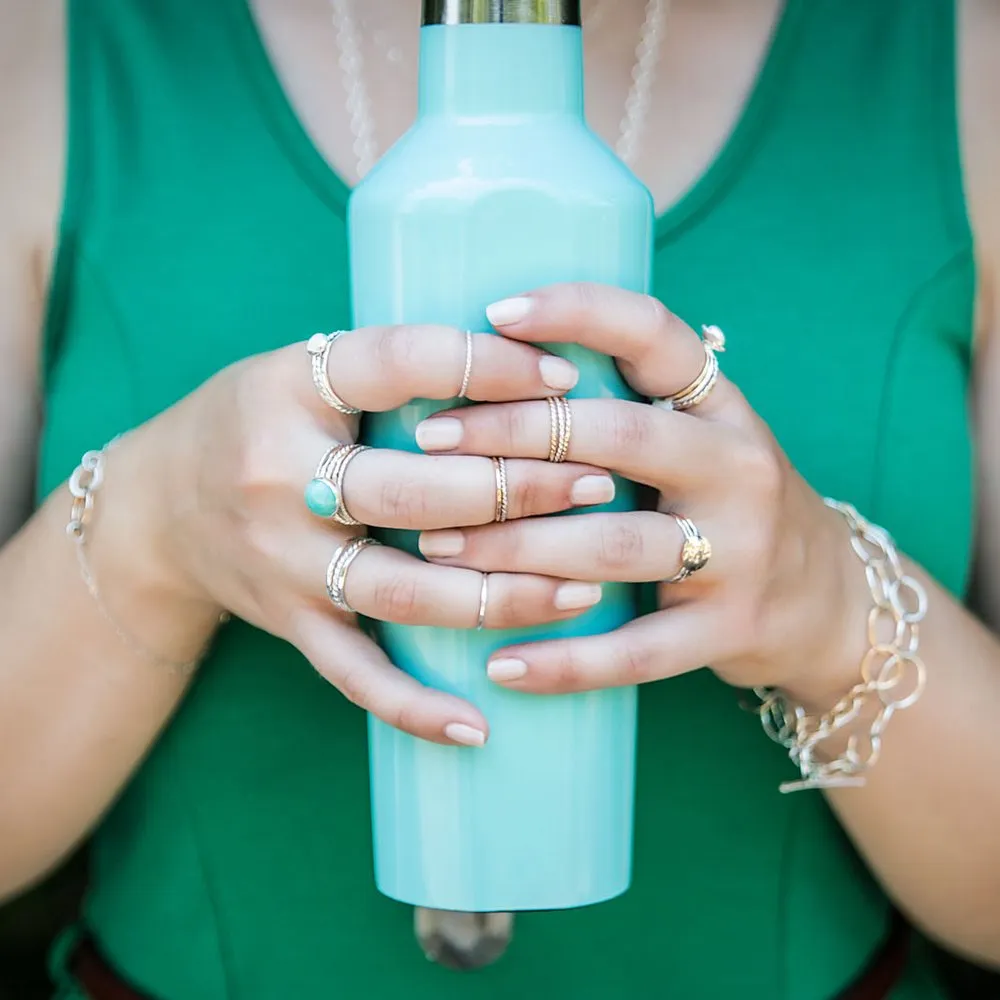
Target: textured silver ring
(332,468)
(319,346)
(336,571)
(467,373)
(695,552)
(484,600)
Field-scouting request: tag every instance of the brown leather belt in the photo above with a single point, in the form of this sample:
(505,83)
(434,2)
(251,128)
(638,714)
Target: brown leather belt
(884,971)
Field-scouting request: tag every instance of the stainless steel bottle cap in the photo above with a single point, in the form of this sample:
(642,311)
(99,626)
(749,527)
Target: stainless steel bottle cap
(502,12)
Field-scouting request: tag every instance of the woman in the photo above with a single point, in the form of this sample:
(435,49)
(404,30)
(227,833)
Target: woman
(806,161)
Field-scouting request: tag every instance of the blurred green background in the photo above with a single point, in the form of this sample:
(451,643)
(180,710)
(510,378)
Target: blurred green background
(28,925)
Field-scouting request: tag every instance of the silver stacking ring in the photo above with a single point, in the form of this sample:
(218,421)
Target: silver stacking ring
(329,482)
(501,506)
(484,600)
(560,428)
(319,351)
(695,552)
(336,572)
(467,374)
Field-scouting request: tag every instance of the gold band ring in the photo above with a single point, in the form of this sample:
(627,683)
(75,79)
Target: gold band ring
(560,428)
(319,346)
(695,552)
(501,508)
(713,342)
(336,571)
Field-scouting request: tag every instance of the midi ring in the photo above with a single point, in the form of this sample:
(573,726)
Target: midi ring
(484,600)
(501,507)
(713,342)
(325,493)
(695,552)
(560,428)
(319,346)
(467,373)
(336,571)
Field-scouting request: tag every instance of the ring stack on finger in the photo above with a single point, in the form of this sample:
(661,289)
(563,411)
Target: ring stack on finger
(713,342)
(325,493)
(502,507)
(319,346)
(695,552)
(560,428)
(336,571)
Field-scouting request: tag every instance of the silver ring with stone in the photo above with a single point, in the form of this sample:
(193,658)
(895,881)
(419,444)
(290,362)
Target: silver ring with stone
(325,493)
(484,600)
(319,346)
(467,373)
(695,552)
(336,571)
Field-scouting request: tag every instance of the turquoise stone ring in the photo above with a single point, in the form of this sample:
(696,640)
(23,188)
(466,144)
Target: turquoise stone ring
(322,498)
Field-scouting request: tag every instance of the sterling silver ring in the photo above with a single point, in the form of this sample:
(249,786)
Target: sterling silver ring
(319,346)
(467,374)
(336,571)
(484,600)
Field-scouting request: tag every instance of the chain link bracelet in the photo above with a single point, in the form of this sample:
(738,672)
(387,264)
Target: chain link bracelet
(893,675)
(84,484)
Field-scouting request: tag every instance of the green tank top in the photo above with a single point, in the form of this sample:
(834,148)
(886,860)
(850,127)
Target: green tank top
(828,238)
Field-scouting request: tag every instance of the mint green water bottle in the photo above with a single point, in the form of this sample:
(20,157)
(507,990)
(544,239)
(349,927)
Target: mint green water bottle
(500,188)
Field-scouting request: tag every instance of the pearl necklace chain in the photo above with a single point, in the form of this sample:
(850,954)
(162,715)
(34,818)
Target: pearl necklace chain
(633,123)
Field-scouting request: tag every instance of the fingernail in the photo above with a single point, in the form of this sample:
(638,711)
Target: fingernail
(558,373)
(592,489)
(509,311)
(500,671)
(439,434)
(576,596)
(440,544)
(467,736)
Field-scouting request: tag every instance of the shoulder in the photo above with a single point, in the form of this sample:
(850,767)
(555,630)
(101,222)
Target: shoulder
(979,89)
(32,126)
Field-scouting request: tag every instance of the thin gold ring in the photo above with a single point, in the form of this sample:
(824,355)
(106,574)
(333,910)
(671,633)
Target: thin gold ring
(695,552)
(319,346)
(560,428)
(484,600)
(713,342)
(501,507)
(467,373)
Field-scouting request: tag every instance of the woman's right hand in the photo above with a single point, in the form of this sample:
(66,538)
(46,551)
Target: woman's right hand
(244,446)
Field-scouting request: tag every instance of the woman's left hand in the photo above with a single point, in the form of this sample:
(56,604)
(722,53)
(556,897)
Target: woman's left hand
(781,602)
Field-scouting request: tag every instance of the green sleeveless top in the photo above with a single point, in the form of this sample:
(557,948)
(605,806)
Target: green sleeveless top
(828,238)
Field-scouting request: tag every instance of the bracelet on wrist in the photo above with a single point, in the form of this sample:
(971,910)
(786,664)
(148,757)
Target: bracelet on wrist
(84,485)
(893,675)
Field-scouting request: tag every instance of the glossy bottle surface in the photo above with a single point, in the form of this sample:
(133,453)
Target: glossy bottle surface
(499,188)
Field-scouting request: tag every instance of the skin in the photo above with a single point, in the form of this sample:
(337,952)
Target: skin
(78,709)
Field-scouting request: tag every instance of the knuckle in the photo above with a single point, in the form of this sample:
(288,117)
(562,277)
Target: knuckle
(620,544)
(758,467)
(628,428)
(584,297)
(636,663)
(403,502)
(355,685)
(398,598)
(506,610)
(566,671)
(526,497)
(395,352)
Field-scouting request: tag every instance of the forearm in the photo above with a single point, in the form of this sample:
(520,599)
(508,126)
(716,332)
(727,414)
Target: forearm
(78,706)
(928,819)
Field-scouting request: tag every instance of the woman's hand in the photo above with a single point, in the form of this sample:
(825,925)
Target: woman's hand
(246,444)
(781,595)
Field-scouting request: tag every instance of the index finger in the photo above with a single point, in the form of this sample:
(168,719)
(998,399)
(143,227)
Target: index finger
(658,353)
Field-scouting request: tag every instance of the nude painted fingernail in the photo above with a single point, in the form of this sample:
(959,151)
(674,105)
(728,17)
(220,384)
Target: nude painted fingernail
(439,434)
(592,489)
(503,670)
(558,373)
(577,596)
(467,736)
(509,311)
(441,544)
